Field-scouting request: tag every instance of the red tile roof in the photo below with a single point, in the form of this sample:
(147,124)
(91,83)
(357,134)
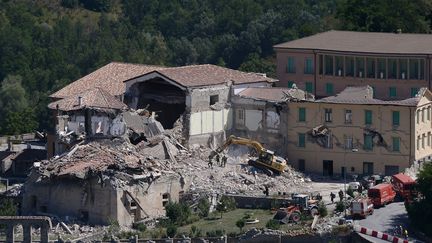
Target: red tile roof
(264,93)
(368,42)
(95,98)
(207,74)
(109,77)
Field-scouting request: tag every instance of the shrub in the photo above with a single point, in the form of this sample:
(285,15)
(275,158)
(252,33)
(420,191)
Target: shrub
(240,224)
(178,213)
(171,230)
(203,207)
(273,224)
(195,232)
(140,227)
(340,206)
(322,209)
(350,192)
(7,207)
(215,233)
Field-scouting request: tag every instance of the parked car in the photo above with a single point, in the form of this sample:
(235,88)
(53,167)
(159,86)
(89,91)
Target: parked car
(381,194)
(354,185)
(362,207)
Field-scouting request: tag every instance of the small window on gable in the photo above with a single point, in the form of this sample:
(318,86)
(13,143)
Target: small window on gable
(214,99)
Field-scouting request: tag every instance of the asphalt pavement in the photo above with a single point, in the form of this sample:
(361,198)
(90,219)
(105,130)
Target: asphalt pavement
(387,219)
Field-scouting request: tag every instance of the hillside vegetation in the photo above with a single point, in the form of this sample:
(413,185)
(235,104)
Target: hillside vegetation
(46,44)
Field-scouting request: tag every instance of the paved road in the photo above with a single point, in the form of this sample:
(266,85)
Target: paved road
(385,219)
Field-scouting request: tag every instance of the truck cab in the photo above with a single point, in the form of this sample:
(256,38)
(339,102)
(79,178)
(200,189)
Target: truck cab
(381,194)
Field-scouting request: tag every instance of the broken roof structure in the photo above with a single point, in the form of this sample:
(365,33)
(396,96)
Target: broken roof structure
(91,98)
(363,95)
(275,94)
(109,78)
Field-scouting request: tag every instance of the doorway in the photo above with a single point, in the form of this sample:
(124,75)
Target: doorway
(328,167)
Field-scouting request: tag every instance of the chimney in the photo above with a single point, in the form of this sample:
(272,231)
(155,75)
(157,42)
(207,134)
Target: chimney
(80,100)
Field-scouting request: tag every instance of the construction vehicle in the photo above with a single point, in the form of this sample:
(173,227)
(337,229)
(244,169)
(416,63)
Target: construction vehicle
(381,194)
(291,213)
(267,160)
(305,203)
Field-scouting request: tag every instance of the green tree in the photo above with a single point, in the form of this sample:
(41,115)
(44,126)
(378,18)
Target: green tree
(240,224)
(385,15)
(203,207)
(7,207)
(420,210)
(171,230)
(178,213)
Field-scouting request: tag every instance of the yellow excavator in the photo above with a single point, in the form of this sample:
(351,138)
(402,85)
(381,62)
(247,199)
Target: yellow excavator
(267,160)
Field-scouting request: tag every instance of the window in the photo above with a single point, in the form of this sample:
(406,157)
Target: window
(290,84)
(214,99)
(422,115)
(165,199)
(370,62)
(392,92)
(382,68)
(240,117)
(418,116)
(429,139)
(392,68)
(348,142)
(368,142)
(302,114)
(414,92)
(309,87)
(403,68)
(349,66)
(373,92)
(328,115)
(348,116)
(329,141)
(329,88)
(418,142)
(368,168)
(422,67)
(321,64)
(360,67)
(339,66)
(413,68)
(291,65)
(368,117)
(328,65)
(396,144)
(308,69)
(423,141)
(428,112)
(395,118)
(301,140)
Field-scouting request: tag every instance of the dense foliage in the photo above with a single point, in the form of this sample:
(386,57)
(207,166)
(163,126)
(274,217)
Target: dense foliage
(46,44)
(420,211)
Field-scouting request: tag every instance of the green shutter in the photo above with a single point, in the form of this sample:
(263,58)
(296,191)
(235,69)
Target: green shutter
(301,140)
(368,117)
(309,87)
(373,92)
(368,142)
(302,114)
(291,65)
(396,144)
(392,91)
(395,118)
(308,66)
(329,88)
(414,91)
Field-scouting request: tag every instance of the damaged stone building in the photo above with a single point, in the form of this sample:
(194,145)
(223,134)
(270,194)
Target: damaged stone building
(199,96)
(354,133)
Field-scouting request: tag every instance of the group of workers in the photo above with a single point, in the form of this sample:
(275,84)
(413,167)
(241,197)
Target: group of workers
(220,162)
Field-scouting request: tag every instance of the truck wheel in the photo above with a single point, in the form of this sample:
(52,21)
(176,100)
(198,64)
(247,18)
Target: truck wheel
(295,217)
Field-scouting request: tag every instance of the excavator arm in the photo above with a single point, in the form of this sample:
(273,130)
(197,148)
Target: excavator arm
(241,141)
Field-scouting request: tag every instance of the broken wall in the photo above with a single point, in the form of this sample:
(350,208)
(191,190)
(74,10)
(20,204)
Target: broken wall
(97,202)
(260,120)
(209,113)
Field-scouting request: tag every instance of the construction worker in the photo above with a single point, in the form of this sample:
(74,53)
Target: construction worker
(224,161)
(218,159)
(210,163)
(405,233)
(341,195)
(332,197)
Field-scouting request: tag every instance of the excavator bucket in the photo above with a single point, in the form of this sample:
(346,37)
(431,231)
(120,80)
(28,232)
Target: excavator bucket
(282,216)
